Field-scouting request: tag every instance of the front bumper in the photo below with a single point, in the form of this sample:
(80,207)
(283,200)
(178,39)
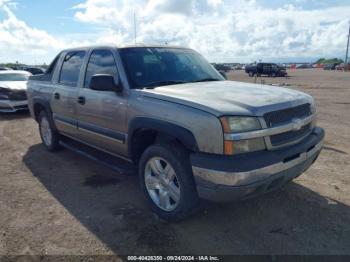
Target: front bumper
(228,178)
(9,106)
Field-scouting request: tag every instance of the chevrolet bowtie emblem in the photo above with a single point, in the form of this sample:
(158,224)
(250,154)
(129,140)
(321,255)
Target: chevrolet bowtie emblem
(297,124)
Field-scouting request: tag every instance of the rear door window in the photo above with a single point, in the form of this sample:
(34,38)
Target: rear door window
(71,67)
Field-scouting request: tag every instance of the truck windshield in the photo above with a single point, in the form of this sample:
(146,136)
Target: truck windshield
(148,67)
(14,77)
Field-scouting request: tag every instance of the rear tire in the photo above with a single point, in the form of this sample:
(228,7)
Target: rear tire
(167,181)
(49,136)
(251,74)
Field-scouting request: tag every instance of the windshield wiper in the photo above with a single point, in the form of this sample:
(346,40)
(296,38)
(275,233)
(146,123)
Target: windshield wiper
(174,82)
(163,83)
(206,80)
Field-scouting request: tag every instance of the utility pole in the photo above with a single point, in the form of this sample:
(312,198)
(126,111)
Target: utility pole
(347,52)
(135,27)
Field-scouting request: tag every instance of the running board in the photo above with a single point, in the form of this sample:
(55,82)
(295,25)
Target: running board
(117,164)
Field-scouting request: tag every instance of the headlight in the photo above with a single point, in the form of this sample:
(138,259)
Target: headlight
(313,108)
(238,124)
(235,124)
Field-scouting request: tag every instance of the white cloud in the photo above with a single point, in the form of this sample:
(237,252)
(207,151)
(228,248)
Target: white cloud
(18,38)
(222,30)
(225,30)
(23,43)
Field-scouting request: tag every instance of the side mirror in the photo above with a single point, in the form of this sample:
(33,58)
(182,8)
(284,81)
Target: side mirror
(223,74)
(102,82)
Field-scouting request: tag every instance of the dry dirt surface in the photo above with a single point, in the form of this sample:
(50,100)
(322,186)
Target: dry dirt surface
(64,204)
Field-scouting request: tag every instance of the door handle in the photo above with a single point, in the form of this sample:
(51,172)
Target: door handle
(56,95)
(81,100)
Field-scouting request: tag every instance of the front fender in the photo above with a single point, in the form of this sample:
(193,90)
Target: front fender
(182,134)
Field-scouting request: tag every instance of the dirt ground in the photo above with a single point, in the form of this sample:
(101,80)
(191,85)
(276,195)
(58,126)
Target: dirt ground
(62,203)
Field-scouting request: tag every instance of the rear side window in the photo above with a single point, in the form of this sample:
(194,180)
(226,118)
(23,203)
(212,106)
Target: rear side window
(52,66)
(71,68)
(100,62)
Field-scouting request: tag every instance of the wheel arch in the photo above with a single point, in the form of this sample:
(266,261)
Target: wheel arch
(144,131)
(39,105)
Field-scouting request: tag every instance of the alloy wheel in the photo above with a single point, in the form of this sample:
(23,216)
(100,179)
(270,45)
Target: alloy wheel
(45,130)
(162,184)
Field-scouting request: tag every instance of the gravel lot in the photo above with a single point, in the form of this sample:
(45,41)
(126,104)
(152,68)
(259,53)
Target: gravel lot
(62,203)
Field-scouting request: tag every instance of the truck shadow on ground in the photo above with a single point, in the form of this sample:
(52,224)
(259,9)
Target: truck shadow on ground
(293,220)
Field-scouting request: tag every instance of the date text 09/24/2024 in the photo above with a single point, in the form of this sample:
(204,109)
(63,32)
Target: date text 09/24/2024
(173,258)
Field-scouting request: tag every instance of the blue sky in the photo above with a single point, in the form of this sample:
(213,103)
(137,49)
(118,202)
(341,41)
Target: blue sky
(223,30)
(54,16)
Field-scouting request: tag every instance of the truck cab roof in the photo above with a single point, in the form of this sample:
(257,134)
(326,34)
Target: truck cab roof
(82,48)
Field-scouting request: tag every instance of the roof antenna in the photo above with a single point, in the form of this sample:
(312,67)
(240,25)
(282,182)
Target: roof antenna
(135,27)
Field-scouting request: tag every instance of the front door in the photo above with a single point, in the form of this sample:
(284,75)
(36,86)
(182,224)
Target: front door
(64,99)
(102,114)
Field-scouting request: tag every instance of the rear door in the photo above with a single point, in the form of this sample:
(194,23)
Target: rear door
(102,114)
(274,69)
(267,69)
(259,69)
(64,99)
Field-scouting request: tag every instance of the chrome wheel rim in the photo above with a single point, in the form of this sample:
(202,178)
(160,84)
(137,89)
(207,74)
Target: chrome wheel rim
(45,130)
(162,184)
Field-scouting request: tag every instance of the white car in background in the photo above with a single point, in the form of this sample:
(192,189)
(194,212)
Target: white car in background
(13,90)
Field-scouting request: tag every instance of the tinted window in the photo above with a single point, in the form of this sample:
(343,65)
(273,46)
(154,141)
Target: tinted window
(71,68)
(52,66)
(100,62)
(267,67)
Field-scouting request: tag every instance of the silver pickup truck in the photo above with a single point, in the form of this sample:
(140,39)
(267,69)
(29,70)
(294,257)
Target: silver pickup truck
(192,134)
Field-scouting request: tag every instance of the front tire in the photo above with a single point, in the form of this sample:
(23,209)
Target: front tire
(49,136)
(167,181)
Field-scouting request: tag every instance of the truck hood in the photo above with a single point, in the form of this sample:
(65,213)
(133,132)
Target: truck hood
(230,97)
(15,85)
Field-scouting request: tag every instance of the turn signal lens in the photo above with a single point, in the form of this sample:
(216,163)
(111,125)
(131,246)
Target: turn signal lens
(225,125)
(244,146)
(228,147)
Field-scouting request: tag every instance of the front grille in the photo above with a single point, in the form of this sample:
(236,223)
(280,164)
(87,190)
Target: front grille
(17,95)
(286,115)
(290,136)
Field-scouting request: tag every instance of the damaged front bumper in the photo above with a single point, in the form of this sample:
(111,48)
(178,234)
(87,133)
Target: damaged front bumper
(228,178)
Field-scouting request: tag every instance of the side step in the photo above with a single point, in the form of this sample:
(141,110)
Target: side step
(117,164)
